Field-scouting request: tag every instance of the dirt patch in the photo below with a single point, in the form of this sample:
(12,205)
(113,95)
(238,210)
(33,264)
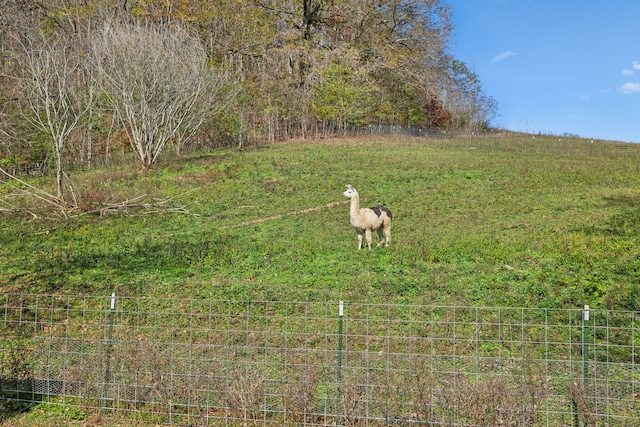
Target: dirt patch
(303,211)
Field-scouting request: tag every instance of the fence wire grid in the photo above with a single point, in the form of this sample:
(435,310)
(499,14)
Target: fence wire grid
(280,363)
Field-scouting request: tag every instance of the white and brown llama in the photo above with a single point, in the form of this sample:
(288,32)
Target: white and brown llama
(366,220)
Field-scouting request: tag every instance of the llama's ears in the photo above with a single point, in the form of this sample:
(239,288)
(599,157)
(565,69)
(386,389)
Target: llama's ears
(349,187)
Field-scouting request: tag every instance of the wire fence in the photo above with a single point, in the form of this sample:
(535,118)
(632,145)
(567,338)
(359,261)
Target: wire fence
(275,363)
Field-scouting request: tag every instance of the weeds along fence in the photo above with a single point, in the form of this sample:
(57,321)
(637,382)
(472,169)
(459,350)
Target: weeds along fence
(486,140)
(275,363)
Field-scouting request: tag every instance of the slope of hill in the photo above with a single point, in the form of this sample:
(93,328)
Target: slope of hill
(473,225)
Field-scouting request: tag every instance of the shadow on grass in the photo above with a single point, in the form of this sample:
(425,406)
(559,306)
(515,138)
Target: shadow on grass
(54,268)
(14,403)
(623,223)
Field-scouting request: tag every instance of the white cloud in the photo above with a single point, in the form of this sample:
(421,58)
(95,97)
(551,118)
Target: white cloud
(503,55)
(634,67)
(629,87)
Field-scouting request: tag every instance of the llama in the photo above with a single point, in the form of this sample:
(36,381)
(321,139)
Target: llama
(366,220)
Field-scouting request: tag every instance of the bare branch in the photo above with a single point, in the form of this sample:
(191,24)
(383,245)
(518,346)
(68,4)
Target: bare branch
(49,198)
(59,92)
(159,84)
(158,206)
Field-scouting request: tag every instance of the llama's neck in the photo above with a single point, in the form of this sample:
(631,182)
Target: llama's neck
(354,211)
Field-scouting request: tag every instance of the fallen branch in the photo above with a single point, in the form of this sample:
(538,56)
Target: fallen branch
(15,210)
(158,206)
(37,193)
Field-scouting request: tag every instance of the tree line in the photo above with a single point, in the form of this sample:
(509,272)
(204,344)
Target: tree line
(83,78)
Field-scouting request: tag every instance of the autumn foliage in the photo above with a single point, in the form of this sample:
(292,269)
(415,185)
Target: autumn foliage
(296,68)
(436,114)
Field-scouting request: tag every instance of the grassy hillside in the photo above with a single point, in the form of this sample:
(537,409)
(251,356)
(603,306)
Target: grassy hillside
(471,227)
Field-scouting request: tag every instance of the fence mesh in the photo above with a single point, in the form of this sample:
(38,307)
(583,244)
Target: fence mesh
(206,362)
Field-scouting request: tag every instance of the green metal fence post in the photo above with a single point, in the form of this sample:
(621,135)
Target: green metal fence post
(340,322)
(340,334)
(585,353)
(107,373)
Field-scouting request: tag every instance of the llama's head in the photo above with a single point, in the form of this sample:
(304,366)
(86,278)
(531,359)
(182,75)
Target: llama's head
(350,192)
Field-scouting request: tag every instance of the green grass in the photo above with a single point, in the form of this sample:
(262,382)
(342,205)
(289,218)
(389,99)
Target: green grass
(492,227)
(471,227)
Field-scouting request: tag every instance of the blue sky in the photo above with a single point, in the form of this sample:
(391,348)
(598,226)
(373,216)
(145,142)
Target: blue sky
(563,66)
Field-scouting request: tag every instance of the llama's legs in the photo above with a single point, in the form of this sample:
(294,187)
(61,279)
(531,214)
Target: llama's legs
(359,240)
(387,232)
(368,236)
(381,237)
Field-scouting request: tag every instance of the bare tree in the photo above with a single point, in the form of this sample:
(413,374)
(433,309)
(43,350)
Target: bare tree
(57,91)
(159,83)
(463,96)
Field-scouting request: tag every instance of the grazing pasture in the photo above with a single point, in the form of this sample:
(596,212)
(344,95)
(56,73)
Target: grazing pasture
(493,223)
(476,223)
